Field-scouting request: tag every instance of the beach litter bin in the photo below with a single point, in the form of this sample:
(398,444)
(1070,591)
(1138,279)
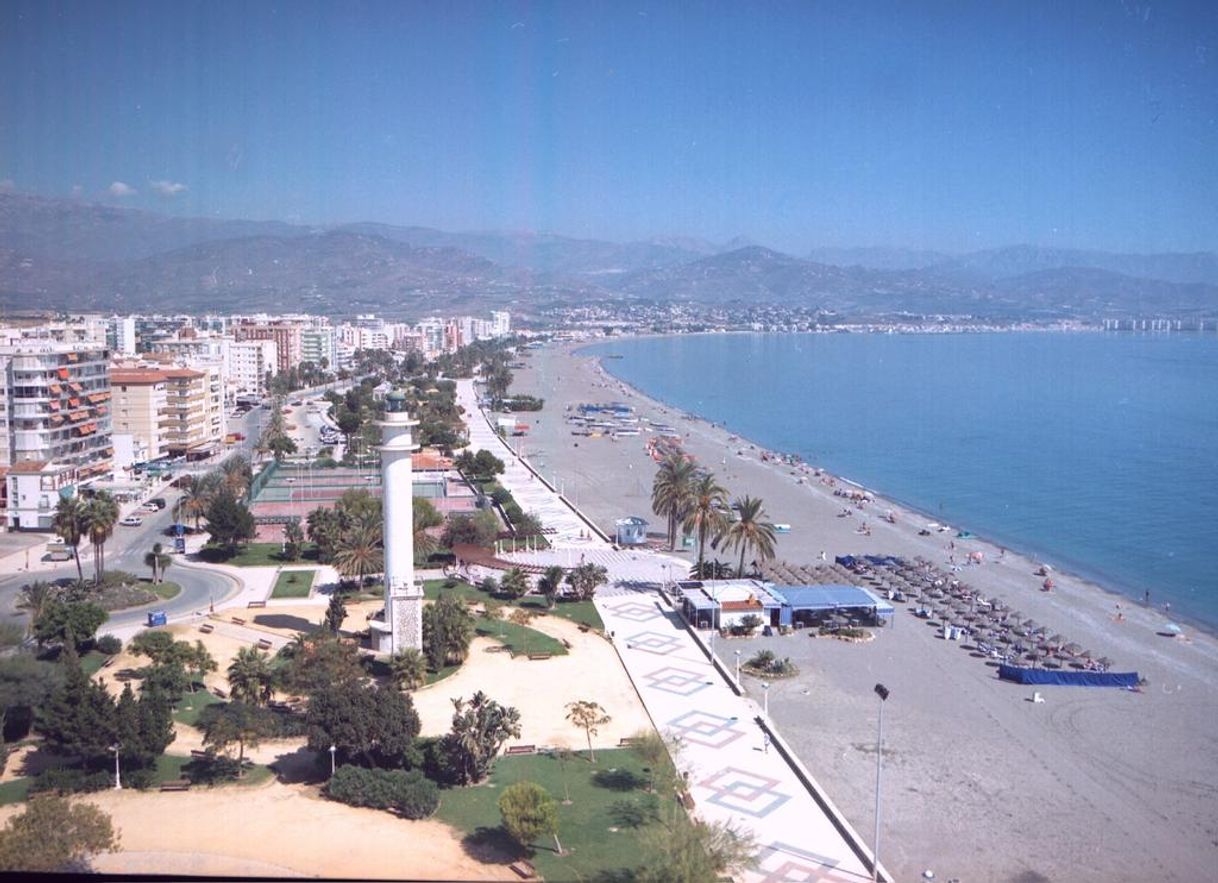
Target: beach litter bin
(157,617)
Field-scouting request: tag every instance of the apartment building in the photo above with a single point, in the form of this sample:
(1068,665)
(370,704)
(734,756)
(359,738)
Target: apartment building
(317,345)
(55,423)
(250,361)
(194,402)
(140,415)
(287,338)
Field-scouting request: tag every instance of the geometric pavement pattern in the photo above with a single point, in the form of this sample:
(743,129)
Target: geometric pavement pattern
(655,642)
(746,792)
(703,728)
(784,863)
(637,611)
(678,681)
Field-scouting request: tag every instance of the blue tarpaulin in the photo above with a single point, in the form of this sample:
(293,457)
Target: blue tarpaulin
(1068,678)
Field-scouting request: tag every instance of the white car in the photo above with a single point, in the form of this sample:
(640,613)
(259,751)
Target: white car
(131,521)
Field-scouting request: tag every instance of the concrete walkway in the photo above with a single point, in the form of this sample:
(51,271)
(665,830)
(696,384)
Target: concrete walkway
(734,774)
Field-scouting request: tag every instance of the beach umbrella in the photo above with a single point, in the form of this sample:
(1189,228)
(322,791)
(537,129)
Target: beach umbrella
(1073,649)
(1056,640)
(1104,661)
(1086,654)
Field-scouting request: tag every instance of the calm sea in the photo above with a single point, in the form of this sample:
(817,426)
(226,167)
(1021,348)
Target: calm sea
(1096,452)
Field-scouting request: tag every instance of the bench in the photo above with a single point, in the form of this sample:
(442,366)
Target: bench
(199,755)
(207,628)
(524,869)
(219,693)
(539,656)
(238,620)
(627,741)
(176,785)
(566,643)
(256,604)
(264,644)
(520,749)
(109,662)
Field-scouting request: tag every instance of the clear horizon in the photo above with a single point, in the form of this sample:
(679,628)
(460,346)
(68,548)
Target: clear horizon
(948,127)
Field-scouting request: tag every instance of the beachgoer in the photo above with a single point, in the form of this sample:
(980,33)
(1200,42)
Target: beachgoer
(1146,600)
(766,743)
(1167,607)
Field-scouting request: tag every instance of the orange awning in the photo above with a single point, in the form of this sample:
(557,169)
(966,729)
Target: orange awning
(56,389)
(63,373)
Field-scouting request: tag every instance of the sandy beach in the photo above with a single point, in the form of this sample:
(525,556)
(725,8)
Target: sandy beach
(980,783)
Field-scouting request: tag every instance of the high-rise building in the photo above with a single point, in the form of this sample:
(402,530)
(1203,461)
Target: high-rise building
(317,346)
(287,337)
(250,361)
(55,423)
(121,335)
(141,411)
(195,405)
(502,321)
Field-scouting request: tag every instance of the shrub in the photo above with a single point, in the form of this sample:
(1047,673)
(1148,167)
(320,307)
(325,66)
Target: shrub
(141,780)
(409,793)
(109,644)
(65,780)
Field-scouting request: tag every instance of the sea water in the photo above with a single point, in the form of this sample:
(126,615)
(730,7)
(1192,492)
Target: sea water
(1096,452)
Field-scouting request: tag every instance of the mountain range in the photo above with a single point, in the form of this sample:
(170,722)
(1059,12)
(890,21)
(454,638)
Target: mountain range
(66,254)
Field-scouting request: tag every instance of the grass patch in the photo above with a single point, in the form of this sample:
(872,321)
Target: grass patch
(188,710)
(173,767)
(579,612)
(166,590)
(91,662)
(253,555)
(593,851)
(434,588)
(294,584)
(518,638)
(434,677)
(15,791)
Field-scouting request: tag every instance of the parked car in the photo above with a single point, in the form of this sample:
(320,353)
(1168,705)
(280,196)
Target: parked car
(159,502)
(131,521)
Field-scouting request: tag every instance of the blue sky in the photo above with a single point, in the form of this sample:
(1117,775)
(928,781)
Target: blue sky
(949,126)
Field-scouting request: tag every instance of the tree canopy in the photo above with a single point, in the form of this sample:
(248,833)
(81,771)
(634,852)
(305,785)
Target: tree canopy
(53,834)
(370,725)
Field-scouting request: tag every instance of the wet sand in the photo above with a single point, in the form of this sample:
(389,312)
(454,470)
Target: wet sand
(979,782)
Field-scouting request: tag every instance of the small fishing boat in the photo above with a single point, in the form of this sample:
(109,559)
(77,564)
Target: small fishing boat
(782,528)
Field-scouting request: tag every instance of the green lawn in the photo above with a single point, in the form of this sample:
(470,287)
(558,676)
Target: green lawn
(91,662)
(192,705)
(167,590)
(436,676)
(172,767)
(294,584)
(254,555)
(433,588)
(14,791)
(518,638)
(581,612)
(606,796)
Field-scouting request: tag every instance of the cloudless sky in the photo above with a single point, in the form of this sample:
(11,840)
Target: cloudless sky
(938,125)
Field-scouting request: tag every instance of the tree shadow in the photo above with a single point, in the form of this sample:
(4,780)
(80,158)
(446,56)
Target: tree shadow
(301,767)
(285,621)
(618,780)
(615,875)
(634,813)
(491,845)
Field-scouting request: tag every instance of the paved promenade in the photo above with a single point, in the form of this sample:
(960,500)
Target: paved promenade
(733,773)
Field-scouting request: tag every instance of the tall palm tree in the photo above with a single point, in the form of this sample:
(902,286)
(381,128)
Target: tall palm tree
(100,516)
(196,494)
(705,515)
(671,492)
(250,677)
(752,530)
(236,474)
(69,526)
(158,560)
(360,553)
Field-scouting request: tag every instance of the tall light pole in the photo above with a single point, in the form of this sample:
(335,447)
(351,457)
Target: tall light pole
(882,692)
(118,780)
(333,748)
(765,692)
(737,666)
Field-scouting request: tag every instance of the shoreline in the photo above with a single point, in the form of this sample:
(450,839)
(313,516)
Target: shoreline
(1112,587)
(1120,773)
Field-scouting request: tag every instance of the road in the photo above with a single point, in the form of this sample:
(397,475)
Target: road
(125,551)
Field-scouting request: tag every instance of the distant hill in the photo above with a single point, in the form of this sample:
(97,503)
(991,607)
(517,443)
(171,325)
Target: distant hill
(66,254)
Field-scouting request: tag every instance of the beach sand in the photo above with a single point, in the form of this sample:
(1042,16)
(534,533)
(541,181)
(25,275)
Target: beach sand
(979,782)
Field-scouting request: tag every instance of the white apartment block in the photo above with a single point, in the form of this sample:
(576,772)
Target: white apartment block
(250,361)
(317,345)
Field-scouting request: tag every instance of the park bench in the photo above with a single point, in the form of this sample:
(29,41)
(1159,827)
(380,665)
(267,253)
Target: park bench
(264,644)
(199,755)
(176,785)
(524,869)
(626,741)
(583,628)
(207,628)
(495,648)
(566,643)
(256,604)
(539,656)
(520,749)
(238,620)
(220,693)
(109,662)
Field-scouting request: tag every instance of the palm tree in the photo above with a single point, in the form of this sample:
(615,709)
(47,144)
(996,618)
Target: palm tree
(409,668)
(34,598)
(752,530)
(550,582)
(236,474)
(671,492)
(195,496)
(158,560)
(360,553)
(705,514)
(514,583)
(250,677)
(69,526)
(100,516)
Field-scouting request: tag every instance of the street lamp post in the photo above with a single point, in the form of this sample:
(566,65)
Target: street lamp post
(333,748)
(118,780)
(882,692)
(765,692)
(737,666)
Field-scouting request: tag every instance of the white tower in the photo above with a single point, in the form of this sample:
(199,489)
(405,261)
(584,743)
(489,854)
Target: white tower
(403,623)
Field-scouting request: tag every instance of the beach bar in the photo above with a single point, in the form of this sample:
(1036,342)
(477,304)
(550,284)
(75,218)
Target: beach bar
(811,605)
(631,531)
(724,603)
